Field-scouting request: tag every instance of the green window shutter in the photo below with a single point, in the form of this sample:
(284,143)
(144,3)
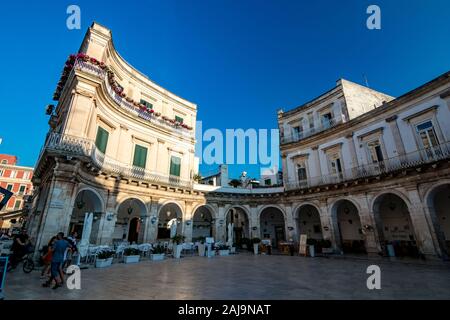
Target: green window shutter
(147,104)
(102,139)
(140,156)
(175,163)
(179,119)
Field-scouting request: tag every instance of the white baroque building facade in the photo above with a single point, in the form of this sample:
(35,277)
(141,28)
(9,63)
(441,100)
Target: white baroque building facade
(360,168)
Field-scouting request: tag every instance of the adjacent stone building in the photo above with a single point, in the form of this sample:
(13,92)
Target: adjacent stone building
(361,169)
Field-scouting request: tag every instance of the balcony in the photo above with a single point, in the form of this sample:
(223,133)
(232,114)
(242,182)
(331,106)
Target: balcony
(126,106)
(324,125)
(79,147)
(403,162)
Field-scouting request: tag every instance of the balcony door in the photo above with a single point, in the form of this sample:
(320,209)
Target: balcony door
(375,154)
(335,167)
(428,139)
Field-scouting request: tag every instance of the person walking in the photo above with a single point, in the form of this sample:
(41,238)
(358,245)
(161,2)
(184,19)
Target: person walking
(47,254)
(59,249)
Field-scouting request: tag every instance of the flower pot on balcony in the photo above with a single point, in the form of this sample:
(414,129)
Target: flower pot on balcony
(103,263)
(131,259)
(157,256)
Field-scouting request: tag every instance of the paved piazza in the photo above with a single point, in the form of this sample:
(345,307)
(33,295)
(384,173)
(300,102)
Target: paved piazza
(244,276)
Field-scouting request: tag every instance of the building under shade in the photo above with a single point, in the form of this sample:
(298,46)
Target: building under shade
(361,170)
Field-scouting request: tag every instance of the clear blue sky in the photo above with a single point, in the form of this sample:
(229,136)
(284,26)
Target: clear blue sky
(238,60)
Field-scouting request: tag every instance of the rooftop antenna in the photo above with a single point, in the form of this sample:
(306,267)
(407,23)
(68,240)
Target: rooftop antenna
(365,81)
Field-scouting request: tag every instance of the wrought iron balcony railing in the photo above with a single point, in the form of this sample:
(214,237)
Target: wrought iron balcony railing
(80,147)
(127,106)
(409,160)
(324,125)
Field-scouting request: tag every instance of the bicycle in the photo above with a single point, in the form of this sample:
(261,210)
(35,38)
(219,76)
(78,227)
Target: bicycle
(28,264)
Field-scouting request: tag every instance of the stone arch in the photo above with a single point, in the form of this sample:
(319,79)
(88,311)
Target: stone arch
(240,217)
(124,198)
(128,226)
(272,224)
(398,193)
(87,200)
(347,227)
(266,206)
(437,199)
(308,221)
(203,221)
(393,221)
(304,203)
(167,212)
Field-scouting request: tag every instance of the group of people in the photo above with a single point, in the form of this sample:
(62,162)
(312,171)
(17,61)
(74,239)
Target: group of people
(56,256)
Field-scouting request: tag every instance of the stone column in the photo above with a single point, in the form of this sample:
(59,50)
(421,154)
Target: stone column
(326,223)
(188,221)
(290,224)
(315,150)
(56,214)
(367,220)
(285,169)
(220,224)
(151,231)
(254,222)
(421,225)
(392,121)
(351,146)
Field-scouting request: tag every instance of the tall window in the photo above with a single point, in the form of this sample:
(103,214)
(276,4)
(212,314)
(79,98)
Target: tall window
(9,187)
(301,172)
(147,104)
(427,134)
(375,152)
(326,120)
(1,172)
(140,156)
(17,204)
(311,120)
(297,131)
(179,119)
(13,174)
(101,141)
(22,189)
(175,164)
(428,139)
(335,164)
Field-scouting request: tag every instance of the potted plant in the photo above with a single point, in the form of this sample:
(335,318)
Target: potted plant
(311,243)
(104,258)
(223,250)
(256,242)
(178,240)
(157,253)
(131,255)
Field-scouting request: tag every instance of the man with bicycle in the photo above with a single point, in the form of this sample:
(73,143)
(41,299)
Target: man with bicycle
(20,247)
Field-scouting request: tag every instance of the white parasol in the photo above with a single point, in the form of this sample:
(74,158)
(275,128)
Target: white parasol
(85,236)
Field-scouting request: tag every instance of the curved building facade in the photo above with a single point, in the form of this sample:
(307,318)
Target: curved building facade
(361,169)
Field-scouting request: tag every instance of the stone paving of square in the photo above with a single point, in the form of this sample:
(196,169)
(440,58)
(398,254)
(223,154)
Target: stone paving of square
(243,276)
